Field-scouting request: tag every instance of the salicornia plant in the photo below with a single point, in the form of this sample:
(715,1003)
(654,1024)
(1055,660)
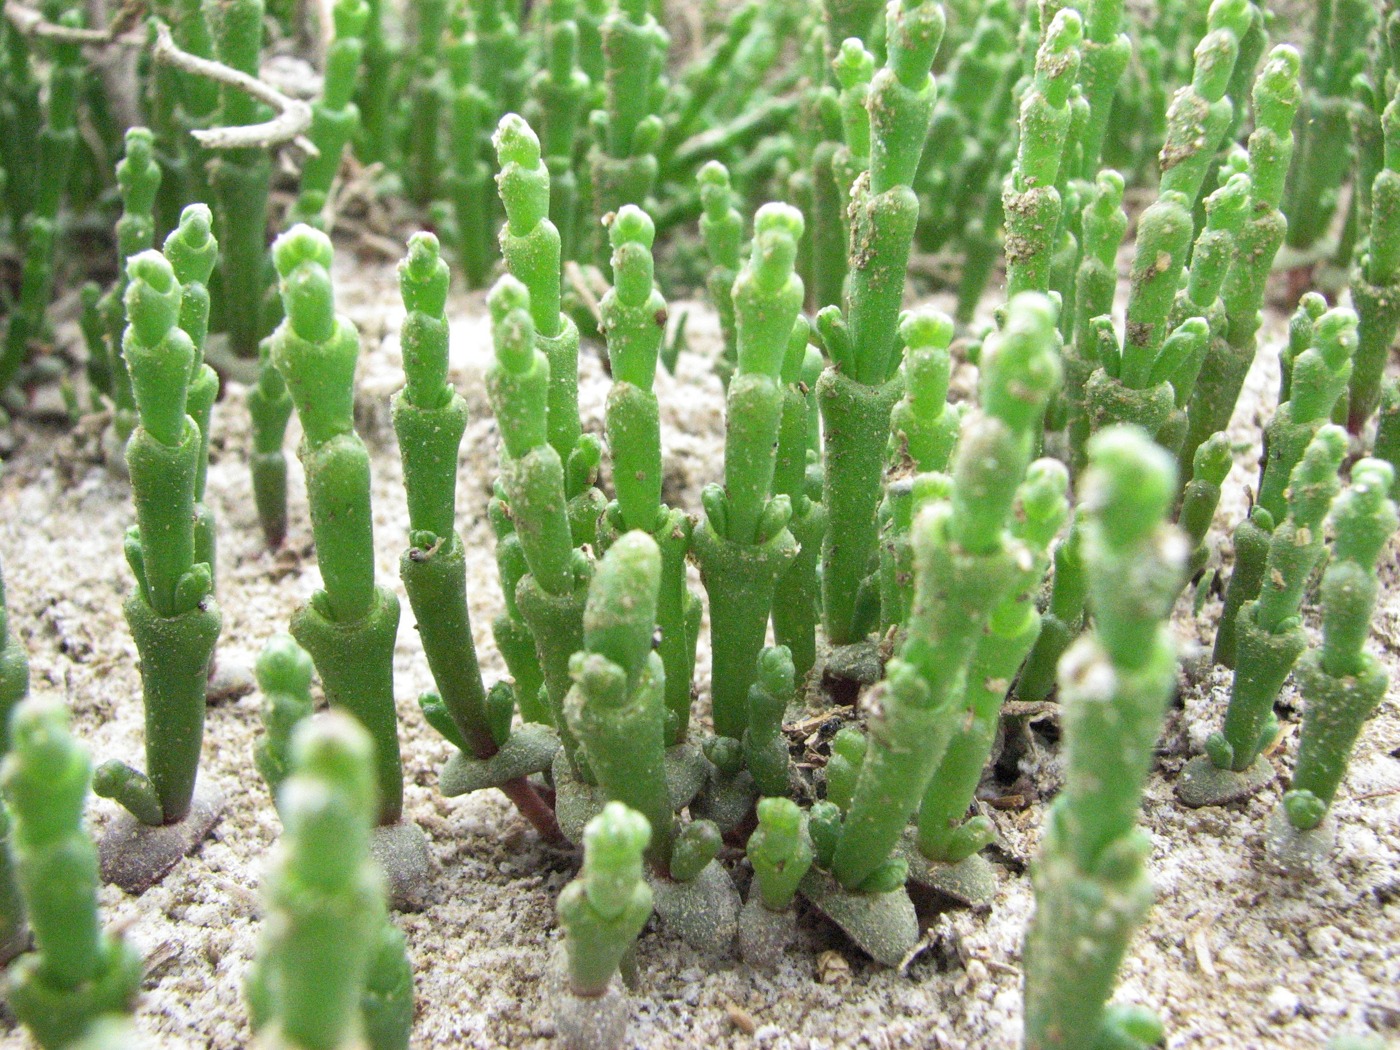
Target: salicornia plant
(284,672)
(349,626)
(1340,681)
(633,322)
(171,613)
(896,482)
(1091,888)
(57,142)
(1222,373)
(550,595)
(1375,279)
(14,687)
(1031,202)
(966,563)
(857,391)
(602,911)
(430,418)
(335,117)
(1269,636)
(331,972)
(240,179)
(1336,54)
(744,545)
(192,251)
(531,246)
(622,160)
(780,851)
(138,180)
(616,710)
(1010,630)
(78,973)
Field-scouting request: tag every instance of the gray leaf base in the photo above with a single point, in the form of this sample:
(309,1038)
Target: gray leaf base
(136,856)
(1203,783)
(883,925)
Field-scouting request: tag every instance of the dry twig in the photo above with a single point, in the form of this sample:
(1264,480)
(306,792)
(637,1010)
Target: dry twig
(293,115)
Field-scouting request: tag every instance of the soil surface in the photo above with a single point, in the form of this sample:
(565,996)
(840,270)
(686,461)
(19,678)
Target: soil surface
(1233,954)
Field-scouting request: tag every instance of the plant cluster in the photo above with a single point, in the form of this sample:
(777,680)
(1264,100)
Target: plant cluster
(931,558)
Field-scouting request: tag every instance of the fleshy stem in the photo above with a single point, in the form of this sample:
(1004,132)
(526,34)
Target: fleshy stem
(530,244)
(469,181)
(1061,621)
(1387,445)
(240,179)
(562,90)
(722,228)
(797,594)
(502,53)
(1201,497)
(376,92)
(14,687)
(1103,226)
(1341,682)
(858,391)
(627,131)
(77,972)
(1269,636)
(1132,384)
(171,613)
(514,639)
(1030,200)
(192,251)
(765,749)
(138,181)
(335,119)
(1317,380)
(616,706)
(633,314)
(1300,337)
(965,139)
(1251,541)
(966,563)
(1375,278)
(744,545)
(551,595)
(430,418)
(923,431)
(1091,888)
(854,68)
(1159,352)
(426,90)
(604,909)
(349,626)
(1201,113)
(57,143)
(331,968)
(284,671)
(1105,54)
(269,411)
(1226,208)
(1276,95)
(1011,629)
(1337,55)
(780,851)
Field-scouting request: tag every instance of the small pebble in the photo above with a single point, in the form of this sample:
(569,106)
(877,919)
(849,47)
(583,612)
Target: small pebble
(1282,1004)
(1324,940)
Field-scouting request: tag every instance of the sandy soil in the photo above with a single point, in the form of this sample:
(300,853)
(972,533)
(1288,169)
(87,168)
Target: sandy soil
(1233,955)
